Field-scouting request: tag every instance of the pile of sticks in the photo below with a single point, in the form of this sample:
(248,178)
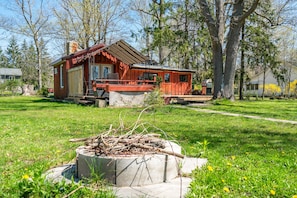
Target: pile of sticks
(135,144)
(129,143)
(125,144)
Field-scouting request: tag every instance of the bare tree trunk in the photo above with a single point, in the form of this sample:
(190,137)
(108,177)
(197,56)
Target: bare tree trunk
(264,79)
(218,69)
(242,66)
(161,26)
(231,49)
(39,66)
(230,65)
(34,29)
(186,54)
(39,57)
(216,29)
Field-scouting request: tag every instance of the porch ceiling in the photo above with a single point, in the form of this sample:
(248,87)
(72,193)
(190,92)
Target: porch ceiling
(124,52)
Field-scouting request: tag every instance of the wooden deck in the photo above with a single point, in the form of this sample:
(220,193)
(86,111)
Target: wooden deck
(187,98)
(179,99)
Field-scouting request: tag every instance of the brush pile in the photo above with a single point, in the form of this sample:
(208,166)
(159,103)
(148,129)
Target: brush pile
(135,141)
(124,145)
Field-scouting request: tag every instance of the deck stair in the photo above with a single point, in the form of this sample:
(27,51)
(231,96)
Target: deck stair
(86,102)
(184,99)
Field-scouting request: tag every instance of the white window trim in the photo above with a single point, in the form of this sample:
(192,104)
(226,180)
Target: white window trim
(101,70)
(61,77)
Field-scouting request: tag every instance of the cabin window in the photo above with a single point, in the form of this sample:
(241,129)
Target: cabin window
(167,77)
(183,78)
(100,71)
(61,77)
(106,71)
(149,76)
(94,72)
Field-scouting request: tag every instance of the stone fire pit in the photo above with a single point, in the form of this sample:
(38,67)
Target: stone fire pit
(145,168)
(136,161)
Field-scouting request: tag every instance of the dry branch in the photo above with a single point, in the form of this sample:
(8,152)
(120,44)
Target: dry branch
(136,141)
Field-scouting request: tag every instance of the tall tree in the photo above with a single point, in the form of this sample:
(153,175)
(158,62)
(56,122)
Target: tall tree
(174,32)
(287,56)
(30,73)
(31,21)
(13,53)
(142,22)
(47,74)
(260,32)
(224,68)
(160,27)
(254,27)
(263,52)
(89,21)
(3,59)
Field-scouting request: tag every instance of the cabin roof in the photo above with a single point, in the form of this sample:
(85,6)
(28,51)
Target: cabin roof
(125,52)
(120,50)
(11,71)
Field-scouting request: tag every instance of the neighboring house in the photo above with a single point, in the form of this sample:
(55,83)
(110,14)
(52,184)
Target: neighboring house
(115,72)
(255,85)
(10,74)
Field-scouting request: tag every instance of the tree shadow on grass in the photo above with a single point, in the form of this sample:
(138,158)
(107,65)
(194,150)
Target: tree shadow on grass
(27,103)
(241,140)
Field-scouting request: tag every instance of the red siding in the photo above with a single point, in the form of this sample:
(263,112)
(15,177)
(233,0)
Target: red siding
(60,92)
(174,87)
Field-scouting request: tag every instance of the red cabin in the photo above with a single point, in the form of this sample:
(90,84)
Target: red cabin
(101,70)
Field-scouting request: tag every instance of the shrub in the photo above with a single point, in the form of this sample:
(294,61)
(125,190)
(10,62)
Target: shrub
(271,90)
(10,86)
(43,91)
(154,98)
(292,88)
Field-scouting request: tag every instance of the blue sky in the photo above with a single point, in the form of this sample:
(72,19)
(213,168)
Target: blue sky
(6,35)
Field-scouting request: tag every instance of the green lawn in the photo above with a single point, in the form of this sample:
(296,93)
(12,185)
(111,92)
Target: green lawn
(246,158)
(281,109)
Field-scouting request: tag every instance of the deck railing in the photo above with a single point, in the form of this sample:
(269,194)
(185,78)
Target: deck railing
(124,82)
(123,85)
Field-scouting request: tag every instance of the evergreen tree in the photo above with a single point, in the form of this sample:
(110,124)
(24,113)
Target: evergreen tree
(260,48)
(13,53)
(47,69)
(29,64)
(3,60)
(161,31)
(191,43)
(179,35)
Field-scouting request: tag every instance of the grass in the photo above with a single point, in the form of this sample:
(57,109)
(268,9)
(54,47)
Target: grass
(246,158)
(281,109)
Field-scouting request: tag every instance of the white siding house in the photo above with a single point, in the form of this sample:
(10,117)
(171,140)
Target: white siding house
(10,74)
(255,85)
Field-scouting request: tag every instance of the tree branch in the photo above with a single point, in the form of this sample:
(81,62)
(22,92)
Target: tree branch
(208,18)
(250,11)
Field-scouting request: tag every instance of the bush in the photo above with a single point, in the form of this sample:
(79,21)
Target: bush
(43,91)
(11,87)
(271,90)
(154,98)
